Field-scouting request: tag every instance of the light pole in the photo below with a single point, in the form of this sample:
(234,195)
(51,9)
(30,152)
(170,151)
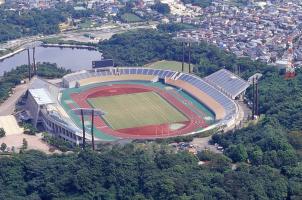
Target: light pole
(186,41)
(33,46)
(88,112)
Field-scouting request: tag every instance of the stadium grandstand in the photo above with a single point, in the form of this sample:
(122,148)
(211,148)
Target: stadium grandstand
(195,104)
(227,82)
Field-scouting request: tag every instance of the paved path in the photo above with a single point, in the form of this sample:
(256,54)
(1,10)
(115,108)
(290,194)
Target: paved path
(8,106)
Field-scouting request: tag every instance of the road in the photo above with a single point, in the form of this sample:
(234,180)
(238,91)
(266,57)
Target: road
(203,143)
(8,106)
(101,33)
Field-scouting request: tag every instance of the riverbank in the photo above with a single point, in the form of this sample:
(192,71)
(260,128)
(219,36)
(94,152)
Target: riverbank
(74,59)
(72,46)
(11,54)
(76,46)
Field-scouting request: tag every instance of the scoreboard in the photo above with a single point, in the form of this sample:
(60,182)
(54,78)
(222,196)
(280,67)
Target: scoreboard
(102,63)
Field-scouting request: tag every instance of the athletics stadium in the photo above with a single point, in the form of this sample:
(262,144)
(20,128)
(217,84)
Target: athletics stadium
(134,103)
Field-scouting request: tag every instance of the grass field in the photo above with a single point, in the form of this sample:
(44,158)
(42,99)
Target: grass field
(136,110)
(129,17)
(168,64)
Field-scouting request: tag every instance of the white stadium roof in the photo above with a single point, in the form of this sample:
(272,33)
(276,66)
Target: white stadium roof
(41,96)
(228,82)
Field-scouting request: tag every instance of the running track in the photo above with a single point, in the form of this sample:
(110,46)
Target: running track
(147,132)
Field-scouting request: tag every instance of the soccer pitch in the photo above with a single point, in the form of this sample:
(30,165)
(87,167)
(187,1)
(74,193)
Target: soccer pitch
(136,110)
(168,64)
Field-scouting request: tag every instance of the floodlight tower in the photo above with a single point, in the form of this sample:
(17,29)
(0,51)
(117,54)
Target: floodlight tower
(186,41)
(88,112)
(29,65)
(34,61)
(32,46)
(255,109)
(257,98)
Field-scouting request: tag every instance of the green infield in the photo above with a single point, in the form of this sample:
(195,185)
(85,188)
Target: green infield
(137,110)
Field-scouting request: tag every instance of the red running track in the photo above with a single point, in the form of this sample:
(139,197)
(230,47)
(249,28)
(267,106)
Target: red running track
(146,132)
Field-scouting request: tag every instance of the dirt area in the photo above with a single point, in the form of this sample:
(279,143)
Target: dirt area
(34,142)
(10,125)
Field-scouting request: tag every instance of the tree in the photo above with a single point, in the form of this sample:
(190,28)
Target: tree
(2,132)
(3,147)
(29,129)
(256,156)
(30,22)
(24,144)
(295,139)
(162,8)
(237,153)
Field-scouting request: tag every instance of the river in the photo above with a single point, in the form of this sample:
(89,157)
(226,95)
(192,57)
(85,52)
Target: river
(74,59)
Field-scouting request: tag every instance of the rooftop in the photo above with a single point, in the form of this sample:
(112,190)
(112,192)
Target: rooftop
(228,82)
(41,96)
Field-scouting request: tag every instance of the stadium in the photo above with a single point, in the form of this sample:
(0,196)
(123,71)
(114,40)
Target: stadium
(134,103)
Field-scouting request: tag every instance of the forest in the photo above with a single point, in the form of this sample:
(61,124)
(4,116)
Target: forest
(162,8)
(33,22)
(141,172)
(260,161)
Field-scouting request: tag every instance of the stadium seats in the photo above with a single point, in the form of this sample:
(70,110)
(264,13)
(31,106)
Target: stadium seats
(227,82)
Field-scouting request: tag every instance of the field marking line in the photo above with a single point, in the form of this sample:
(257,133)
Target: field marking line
(101,127)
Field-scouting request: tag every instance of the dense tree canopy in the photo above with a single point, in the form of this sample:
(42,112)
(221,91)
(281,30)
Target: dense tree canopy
(15,24)
(136,48)
(136,173)
(265,143)
(29,22)
(162,8)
